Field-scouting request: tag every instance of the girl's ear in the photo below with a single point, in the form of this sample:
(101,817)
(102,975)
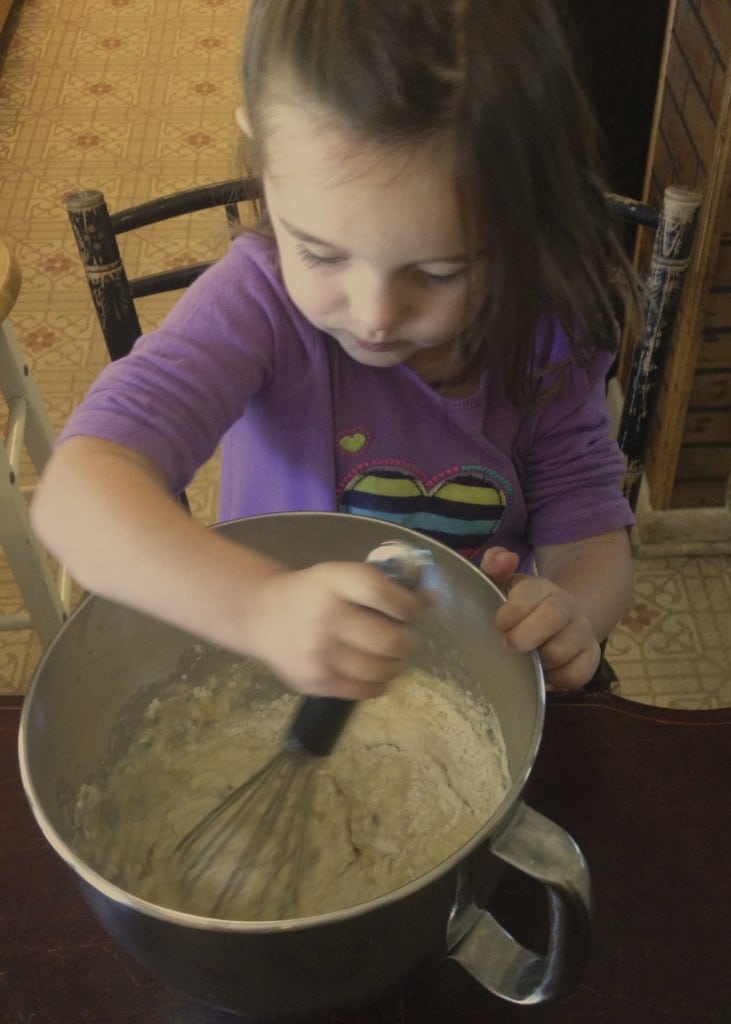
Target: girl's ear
(242,120)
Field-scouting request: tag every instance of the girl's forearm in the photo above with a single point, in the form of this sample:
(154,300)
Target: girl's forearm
(105,513)
(598,572)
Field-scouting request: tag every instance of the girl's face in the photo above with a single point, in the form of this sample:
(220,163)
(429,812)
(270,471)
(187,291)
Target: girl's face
(372,247)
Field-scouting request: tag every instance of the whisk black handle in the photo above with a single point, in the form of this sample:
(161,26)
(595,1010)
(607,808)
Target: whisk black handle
(320,720)
(318,724)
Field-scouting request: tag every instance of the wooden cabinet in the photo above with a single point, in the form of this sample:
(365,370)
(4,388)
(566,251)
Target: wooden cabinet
(689,459)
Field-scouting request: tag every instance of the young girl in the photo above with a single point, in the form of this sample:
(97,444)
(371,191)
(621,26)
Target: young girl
(420,331)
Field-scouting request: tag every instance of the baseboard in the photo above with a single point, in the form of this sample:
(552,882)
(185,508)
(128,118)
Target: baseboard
(680,531)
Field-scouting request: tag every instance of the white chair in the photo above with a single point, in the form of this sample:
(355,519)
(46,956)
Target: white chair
(46,594)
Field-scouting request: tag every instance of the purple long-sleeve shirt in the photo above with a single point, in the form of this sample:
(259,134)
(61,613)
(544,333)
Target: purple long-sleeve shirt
(304,427)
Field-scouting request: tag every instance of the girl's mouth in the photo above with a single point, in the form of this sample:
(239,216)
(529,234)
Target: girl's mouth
(376,346)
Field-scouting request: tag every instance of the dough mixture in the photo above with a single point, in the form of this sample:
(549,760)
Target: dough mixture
(415,774)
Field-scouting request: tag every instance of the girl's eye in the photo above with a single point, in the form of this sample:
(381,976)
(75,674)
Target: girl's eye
(313,260)
(450,278)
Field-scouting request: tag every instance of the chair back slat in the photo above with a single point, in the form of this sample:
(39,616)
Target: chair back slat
(167,280)
(205,197)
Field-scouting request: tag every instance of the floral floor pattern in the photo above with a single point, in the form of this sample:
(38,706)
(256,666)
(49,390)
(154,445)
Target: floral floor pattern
(674,647)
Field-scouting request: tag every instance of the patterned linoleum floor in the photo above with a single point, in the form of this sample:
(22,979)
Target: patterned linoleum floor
(136,97)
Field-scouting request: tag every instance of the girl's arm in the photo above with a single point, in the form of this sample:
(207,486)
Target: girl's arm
(337,628)
(583,589)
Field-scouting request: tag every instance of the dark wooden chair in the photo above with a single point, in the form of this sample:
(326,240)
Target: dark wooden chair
(662,287)
(114,294)
(96,231)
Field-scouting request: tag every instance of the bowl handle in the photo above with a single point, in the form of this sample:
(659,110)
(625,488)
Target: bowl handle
(541,849)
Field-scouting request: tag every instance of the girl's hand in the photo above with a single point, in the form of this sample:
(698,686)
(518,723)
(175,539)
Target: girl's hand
(539,614)
(336,629)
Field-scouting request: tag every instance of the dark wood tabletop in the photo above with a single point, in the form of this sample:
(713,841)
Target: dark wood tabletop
(645,793)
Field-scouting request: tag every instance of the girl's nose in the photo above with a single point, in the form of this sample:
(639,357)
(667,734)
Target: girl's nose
(377,304)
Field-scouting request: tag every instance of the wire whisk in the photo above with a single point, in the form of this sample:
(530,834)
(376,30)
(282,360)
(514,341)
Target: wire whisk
(251,851)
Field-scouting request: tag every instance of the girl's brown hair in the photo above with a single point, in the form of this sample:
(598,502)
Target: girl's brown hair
(494,82)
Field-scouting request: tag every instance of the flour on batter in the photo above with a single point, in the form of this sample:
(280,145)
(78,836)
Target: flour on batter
(415,775)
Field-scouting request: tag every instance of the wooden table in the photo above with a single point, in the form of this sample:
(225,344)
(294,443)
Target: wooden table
(644,791)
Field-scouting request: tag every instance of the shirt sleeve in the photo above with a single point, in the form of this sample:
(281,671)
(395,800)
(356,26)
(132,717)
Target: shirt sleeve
(183,385)
(572,467)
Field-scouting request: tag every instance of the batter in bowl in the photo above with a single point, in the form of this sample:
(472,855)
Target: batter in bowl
(415,774)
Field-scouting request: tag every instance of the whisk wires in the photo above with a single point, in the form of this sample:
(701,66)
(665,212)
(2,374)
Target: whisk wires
(258,820)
